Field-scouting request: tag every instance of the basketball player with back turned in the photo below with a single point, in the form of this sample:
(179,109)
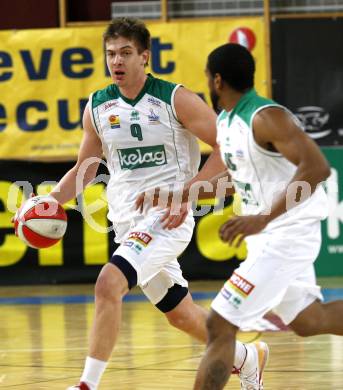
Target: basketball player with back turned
(147,130)
(278,172)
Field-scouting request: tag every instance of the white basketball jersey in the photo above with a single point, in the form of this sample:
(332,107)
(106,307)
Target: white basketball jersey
(260,175)
(144,143)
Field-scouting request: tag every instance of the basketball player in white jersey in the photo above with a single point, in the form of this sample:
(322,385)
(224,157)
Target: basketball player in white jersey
(277,170)
(147,130)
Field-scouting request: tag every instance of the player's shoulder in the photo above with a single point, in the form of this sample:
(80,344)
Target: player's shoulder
(252,103)
(255,101)
(103,95)
(161,89)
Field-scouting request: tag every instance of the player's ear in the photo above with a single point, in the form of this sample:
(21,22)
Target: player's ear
(146,56)
(218,81)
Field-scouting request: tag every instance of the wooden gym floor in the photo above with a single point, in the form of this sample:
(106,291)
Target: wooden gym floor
(44,331)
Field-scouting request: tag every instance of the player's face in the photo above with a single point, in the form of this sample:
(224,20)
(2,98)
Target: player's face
(212,89)
(124,61)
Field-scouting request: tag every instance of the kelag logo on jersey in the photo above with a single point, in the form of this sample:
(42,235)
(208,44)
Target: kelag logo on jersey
(143,157)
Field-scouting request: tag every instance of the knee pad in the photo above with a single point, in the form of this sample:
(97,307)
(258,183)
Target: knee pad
(126,268)
(173,297)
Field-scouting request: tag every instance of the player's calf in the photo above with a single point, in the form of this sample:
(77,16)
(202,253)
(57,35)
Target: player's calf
(319,318)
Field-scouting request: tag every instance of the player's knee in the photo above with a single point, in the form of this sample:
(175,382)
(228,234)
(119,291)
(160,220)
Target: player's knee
(179,314)
(177,321)
(181,321)
(309,324)
(304,330)
(219,328)
(169,304)
(109,284)
(310,327)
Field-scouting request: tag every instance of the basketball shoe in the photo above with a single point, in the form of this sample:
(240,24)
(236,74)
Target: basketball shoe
(251,373)
(81,386)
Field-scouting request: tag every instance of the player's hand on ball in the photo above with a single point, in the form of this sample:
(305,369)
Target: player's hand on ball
(237,228)
(15,216)
(40,222)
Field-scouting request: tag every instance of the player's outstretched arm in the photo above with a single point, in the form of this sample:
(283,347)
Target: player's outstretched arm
(84,171)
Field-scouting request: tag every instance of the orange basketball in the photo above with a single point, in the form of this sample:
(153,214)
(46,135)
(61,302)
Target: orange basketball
(40,222)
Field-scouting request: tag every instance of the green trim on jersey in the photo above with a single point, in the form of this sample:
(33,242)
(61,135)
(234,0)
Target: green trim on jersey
(248,104)
(222,115)
(155,87)
(103,95)
(161,89)
(134,101)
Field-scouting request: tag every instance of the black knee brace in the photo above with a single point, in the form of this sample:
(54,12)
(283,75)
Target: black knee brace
(126,268)
(173,297)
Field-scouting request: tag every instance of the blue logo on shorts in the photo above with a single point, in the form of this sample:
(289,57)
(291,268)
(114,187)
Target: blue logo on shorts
(234,299)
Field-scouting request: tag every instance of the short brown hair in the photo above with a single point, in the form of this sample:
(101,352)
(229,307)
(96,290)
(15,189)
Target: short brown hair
(130,28)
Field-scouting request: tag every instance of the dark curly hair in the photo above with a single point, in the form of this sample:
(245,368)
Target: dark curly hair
(235,64)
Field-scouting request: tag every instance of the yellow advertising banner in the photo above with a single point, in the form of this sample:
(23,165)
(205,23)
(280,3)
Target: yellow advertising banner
(47,75)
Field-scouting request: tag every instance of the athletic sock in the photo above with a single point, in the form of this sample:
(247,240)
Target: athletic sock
(92,372)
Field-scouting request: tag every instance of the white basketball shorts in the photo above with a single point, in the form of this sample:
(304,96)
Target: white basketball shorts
(277,275)
(152,251)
